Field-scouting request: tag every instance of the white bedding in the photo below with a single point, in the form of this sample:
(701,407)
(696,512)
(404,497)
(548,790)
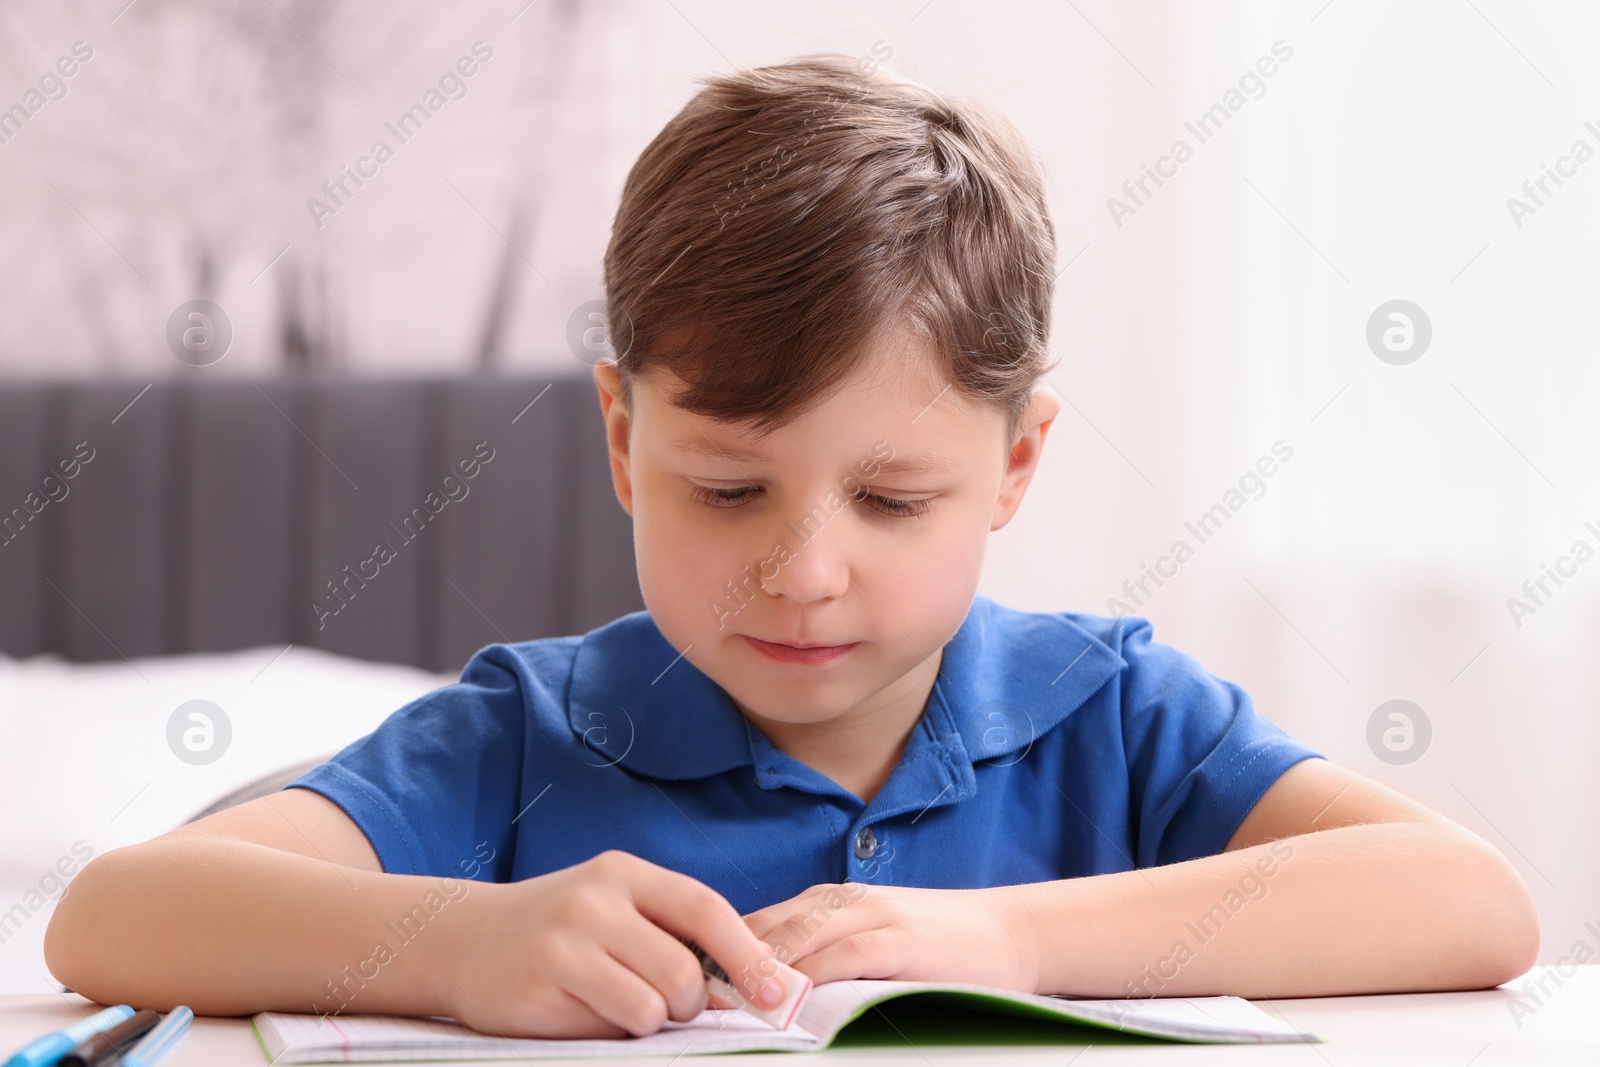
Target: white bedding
(85,761)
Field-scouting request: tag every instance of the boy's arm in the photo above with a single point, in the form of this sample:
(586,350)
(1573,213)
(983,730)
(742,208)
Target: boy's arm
(254,908)
(1333,884)
(281,904)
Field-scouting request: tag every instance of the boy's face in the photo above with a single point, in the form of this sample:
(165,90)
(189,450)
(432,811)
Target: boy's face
(814,535)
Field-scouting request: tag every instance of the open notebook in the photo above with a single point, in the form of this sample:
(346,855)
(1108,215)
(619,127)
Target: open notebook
(830,1007)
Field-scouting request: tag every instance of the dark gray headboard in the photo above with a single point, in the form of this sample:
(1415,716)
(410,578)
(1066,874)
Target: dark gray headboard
(214,512)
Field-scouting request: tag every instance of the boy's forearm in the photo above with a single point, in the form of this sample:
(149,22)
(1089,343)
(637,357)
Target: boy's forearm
(1356,909)
(231,927)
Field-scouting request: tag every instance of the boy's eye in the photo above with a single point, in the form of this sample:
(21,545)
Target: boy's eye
(889,505)
(721,498)
(885,505)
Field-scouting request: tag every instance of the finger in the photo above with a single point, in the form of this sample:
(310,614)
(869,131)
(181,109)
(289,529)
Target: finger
(555,1013)
(762,922)
(812,923)
(817,903)
(619,996)
(861,955)
(664,962)
(685,907)
(575,1019)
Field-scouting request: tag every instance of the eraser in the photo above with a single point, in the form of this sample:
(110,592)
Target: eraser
(796,987)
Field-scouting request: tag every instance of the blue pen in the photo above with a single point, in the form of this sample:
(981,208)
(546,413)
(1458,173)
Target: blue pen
(43,1051)
(159,1040)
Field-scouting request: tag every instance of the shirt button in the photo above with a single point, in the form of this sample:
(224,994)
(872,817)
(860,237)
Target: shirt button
(866,843)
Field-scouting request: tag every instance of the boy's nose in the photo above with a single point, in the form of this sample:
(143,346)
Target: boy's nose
(815,568)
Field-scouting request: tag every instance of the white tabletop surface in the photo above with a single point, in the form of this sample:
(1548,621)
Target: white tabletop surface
(1478,1029)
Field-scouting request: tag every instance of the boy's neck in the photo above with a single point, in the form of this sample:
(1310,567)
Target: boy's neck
(860,749)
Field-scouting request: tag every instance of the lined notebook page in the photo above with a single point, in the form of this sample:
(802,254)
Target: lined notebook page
(1188,1018)
(351,1038)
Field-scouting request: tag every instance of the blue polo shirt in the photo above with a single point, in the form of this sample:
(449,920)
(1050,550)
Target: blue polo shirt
(1053,745)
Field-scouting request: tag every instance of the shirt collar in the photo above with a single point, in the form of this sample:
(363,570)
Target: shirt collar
(1008,676)
(637,701)
(1004,679)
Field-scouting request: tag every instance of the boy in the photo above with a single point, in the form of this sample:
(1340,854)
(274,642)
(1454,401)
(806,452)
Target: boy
(829,293)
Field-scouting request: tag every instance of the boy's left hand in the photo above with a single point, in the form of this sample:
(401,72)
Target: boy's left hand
(856,930)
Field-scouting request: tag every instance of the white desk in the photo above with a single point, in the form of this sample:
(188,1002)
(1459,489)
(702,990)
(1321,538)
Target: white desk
(1447,1029)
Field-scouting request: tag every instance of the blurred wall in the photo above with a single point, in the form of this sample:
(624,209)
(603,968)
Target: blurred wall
(1227,321)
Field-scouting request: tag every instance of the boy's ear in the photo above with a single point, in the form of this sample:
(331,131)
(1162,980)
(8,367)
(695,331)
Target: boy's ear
(1023,459)
(608,382)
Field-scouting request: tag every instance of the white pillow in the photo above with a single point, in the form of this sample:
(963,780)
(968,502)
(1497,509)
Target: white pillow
(88,767)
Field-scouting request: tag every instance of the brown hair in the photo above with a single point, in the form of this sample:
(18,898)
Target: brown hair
(790,213)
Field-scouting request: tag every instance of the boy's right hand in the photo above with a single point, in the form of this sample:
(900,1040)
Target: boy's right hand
(591,951)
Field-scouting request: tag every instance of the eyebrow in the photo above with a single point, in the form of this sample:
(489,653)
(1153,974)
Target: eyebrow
(928,463)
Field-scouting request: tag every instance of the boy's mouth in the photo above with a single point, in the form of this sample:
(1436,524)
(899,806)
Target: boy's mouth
(797,654)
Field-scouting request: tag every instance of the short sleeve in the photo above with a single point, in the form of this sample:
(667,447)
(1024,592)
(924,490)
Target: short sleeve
(435,786)
(1199,757)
